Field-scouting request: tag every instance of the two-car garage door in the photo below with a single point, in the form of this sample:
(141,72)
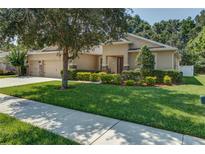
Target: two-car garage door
(52,68)
(34,68)
(47,68)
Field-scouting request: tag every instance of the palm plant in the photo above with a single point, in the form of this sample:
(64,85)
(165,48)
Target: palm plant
(16,57)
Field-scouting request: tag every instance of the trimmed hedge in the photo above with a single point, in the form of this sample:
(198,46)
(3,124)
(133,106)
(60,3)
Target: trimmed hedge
(130,75)
(84,76)
(72,74)
(111,78)
(106,78)
(94,77)
(90,71)
(117,79)
(176,76)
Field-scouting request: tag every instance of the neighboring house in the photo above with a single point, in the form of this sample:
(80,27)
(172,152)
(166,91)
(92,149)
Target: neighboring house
(114,57)
(5,67)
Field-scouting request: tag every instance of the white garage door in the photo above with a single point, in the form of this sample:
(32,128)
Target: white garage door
(34,68)
(52,68)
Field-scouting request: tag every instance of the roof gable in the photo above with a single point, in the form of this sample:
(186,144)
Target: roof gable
(138,42)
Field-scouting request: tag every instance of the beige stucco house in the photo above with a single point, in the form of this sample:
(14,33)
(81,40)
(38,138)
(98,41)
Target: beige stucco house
(113,57)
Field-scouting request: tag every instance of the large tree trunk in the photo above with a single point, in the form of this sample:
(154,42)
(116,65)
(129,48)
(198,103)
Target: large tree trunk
(65,69)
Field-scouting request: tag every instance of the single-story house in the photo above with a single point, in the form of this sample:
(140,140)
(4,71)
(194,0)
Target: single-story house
(114,57)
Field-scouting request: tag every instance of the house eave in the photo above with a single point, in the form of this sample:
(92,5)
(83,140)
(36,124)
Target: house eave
(57,52)
(117,43)
(155,49)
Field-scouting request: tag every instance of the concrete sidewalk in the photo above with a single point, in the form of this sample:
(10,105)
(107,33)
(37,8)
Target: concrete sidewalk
(88,128)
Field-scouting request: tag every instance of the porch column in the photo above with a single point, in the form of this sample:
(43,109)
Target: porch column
(125,62)
(104,63)
(173,61)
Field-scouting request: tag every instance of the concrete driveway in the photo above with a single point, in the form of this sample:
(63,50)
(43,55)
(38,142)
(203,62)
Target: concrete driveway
(9,82)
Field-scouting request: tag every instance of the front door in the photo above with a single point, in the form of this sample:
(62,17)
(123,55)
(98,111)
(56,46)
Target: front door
(119,64)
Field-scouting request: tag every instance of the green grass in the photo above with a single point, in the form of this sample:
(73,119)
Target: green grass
(7,76)
(175,108)
(13,131)
(196,80)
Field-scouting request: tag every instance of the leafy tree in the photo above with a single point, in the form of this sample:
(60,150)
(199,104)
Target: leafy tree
(16,57)
(196,47)
(72,30)
(138,26)
(146,61)
(200,22)
(166,31)
(189,58)
(197,44)
(186,31)
(174,32)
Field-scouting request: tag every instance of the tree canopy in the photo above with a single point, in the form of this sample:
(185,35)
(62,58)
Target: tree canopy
(176,33)
(71,30)
(198,43)
(139,26)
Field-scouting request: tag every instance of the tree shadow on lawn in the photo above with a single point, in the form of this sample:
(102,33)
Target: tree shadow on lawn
(158,107)
(15,132)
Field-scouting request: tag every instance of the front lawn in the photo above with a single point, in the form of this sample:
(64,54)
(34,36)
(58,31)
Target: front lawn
(7,76)
(175,108)
(13,131)
(196,80)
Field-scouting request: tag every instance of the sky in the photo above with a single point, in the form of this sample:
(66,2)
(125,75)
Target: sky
(153,15)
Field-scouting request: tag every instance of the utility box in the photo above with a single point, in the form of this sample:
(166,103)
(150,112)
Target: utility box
(202,99)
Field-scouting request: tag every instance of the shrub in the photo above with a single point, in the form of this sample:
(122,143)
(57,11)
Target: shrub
(94,77)
(110,78)
(72,74)
(167,80)
(176,76)
(1,72)
(102,73)
(84,76)
(150,80)
(140,83)
(116,79)
(90,71)
(130,75)
(129,82)
(107,78)
(145,58)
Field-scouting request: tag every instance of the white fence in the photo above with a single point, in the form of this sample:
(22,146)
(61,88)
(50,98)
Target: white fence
(187,70)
